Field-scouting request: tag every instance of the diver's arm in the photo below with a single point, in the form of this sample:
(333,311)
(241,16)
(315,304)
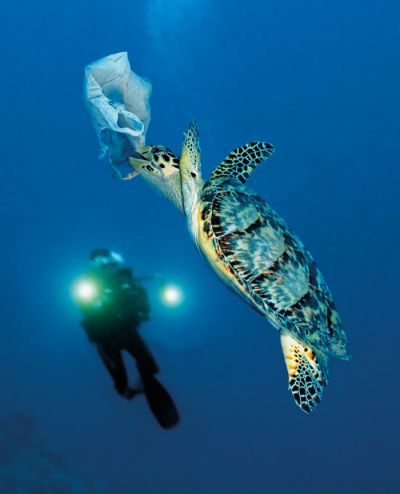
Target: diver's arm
(90,328)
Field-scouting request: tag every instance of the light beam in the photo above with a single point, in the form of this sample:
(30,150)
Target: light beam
(172,295)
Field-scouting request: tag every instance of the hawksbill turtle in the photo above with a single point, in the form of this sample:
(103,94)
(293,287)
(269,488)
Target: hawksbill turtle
(254,252)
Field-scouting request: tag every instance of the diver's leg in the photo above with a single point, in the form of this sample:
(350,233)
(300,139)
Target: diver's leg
(159,400)
(137,347)
(115,366)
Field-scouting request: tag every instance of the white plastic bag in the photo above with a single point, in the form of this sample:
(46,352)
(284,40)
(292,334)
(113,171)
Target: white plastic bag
(118,102)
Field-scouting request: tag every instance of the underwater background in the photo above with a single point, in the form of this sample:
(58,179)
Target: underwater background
(320,80)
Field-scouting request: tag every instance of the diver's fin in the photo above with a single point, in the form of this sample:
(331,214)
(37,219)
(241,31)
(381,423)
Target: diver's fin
(160,402)
(190,159)
(307,372)
(243,160)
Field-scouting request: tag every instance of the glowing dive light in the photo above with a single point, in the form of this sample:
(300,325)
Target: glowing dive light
(85,290)
(172,295)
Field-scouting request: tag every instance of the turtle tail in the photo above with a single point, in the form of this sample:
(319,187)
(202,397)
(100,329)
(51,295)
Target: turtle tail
(307,372)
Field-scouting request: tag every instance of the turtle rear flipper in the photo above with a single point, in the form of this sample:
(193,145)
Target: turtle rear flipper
(307,372)
(243,160)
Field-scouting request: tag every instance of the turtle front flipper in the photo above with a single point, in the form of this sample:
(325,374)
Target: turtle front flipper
(307,372)
(190,173)
(243,160)
(190,164)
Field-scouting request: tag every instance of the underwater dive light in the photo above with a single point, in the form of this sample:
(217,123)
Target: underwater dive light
(85,290)
(171,295)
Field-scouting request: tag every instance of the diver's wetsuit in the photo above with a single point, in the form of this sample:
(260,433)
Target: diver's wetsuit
(111,323)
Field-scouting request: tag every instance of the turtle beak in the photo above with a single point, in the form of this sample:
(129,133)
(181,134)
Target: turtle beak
(137,163)
(141,157)
(145,153)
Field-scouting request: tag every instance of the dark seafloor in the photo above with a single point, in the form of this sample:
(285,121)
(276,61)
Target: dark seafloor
(321,81)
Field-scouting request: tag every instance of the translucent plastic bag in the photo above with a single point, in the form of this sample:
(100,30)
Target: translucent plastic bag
(118,102)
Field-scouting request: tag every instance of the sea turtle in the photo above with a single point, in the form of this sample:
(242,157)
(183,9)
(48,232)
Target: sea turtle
(253,251)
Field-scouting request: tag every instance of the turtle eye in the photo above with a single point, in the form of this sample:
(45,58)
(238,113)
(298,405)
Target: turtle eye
(193,174)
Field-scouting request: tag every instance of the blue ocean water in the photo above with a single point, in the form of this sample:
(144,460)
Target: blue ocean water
(319,80)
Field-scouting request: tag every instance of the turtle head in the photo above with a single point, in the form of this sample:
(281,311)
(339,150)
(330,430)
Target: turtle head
(190,169)
(159,166)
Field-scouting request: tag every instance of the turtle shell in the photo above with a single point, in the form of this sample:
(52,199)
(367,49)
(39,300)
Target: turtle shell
(255,252)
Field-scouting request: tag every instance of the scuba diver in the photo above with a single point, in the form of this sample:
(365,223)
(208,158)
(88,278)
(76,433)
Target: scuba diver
(113,306)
